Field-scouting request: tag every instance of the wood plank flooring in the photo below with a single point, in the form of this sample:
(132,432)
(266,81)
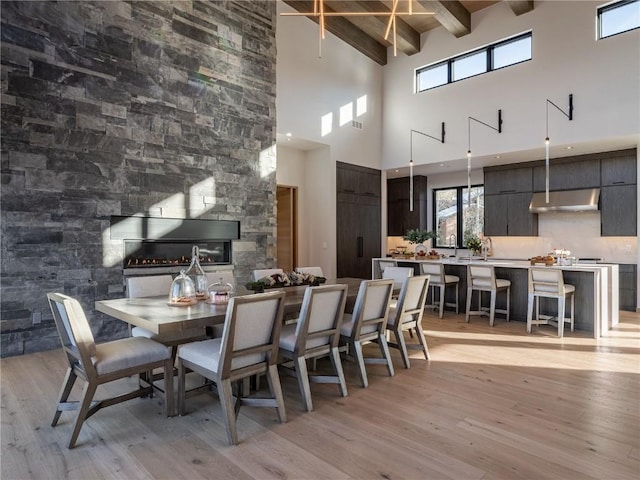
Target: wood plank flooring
(492,403)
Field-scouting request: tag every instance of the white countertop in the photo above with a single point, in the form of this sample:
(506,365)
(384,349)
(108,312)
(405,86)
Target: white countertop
(504,263)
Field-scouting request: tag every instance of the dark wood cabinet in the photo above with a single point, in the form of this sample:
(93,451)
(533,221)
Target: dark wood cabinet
(618,211)
(620,171)
(358,219)
(508,215)
(511,180)
(399,217)
(568,175)
(628,286)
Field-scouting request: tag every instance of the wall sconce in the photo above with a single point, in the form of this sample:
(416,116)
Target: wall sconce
(546,140)
(499,130)
(441,140)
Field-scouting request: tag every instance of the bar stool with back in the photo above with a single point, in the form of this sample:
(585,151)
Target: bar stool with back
(440,280)
(482,278)
(549,283)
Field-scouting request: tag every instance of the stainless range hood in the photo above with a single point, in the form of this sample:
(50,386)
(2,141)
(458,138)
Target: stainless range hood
(566,201)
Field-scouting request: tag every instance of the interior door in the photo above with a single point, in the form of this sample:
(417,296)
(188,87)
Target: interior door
(286,228)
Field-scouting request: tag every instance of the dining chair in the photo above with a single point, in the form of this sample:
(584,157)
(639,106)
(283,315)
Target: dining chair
(407,315)
(549,283)
(316,333)
(482,278)
(98,364)
(398,274)
(368,323)
(439,280)
(249,346)
(258,274)
(383,264)
(315,271)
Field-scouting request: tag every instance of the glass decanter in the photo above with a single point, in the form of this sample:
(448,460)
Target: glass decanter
(197,275)
(183,291)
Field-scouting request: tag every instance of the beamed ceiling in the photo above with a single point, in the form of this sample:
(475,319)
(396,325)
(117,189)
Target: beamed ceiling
(366,33)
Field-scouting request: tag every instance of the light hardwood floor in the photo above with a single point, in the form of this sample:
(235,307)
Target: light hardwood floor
(493,403)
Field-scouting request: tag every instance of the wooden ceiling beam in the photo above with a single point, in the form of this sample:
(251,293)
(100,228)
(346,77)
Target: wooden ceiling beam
(520,6)
(344,30)
(451,14)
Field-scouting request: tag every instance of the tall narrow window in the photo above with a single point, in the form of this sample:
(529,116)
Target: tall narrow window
(618,17)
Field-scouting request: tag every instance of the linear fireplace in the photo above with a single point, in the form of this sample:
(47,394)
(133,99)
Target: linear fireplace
(153,245)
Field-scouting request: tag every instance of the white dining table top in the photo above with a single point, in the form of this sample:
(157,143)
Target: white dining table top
(156,315)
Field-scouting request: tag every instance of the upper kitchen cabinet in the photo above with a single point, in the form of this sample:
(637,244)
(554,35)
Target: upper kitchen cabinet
(618,211)
(620,171)
(357,184)
(568,175)
(512,180)
(508,214)
(399,217)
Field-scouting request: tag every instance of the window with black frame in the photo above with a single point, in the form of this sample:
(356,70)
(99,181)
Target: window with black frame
(618,17)
(456,215)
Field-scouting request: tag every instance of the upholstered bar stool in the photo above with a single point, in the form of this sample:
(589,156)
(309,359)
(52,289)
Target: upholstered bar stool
(439,280)
(546,282)
(482,278)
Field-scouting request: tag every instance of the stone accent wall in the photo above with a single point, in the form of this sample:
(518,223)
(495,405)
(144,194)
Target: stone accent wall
(158,108)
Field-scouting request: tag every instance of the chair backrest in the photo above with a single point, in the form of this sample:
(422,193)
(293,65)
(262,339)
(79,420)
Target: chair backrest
(371,309)
(149,286)
(320,317)
(225,276)
(546,280)
(434,270)
(258,274)
(398,275)
(412,298)
(251,334)
(315,271)
(74,331)
(481,277)
(383,264)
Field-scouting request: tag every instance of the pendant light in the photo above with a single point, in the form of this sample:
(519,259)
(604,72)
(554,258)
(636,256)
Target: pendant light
(441,140)
(569,115)
(499,130)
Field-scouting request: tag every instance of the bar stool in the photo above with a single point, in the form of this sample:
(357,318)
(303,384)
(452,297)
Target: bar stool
(546,282)
(483,279)
(439,280)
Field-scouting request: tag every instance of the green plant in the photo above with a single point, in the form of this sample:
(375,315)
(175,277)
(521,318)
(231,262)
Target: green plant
(419,236)
(473,243)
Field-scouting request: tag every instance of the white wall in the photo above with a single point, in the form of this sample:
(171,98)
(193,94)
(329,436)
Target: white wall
(603,77)
(307,89)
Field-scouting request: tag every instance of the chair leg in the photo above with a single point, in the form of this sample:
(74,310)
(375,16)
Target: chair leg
(168,387)
(423,340)
(508,302)
(403,347)
(492,308)
(457,298)
(181,388)
(469,293)
(69,381)
(273,379)
(560,316)
(225,392)
(572,310)
(529,312)
(384,348)
(337,365)
(88,392)
(303,382)
(441,289)
(357,347)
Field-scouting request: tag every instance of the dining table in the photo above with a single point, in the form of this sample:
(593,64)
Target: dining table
(157,316)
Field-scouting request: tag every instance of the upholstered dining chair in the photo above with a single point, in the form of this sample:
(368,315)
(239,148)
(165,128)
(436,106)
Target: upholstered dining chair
(398,275)
(151,286)
(101,363)
(368,323)
(258,274)
(315,271)
(316,333)
(407,315)
(249,346)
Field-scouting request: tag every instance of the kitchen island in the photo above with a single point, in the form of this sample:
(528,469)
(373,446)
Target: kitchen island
(596,295)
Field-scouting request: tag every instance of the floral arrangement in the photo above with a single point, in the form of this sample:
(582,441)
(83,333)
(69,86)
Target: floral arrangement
(287,279)
(473,243)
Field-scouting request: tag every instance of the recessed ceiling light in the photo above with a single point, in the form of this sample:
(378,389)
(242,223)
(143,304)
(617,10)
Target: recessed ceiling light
(397,170)
(569,147)
(288,134)
(498,156)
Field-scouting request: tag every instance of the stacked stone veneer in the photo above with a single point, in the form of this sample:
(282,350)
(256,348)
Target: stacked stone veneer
(155,108)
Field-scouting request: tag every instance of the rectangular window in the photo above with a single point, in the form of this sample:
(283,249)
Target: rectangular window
(501,54)
(456,215)
(618,17)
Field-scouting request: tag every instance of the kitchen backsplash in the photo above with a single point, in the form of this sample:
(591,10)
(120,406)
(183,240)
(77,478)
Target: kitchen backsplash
(576,232)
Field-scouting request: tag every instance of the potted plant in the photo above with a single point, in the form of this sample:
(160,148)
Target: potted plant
(474,244)
(418,237)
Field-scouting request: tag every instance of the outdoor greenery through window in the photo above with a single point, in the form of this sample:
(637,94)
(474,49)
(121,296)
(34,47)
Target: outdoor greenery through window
(455,213)
(618,17)
(486,59)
